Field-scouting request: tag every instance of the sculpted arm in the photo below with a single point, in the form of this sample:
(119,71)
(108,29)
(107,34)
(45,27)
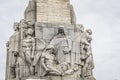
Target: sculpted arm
(43,63)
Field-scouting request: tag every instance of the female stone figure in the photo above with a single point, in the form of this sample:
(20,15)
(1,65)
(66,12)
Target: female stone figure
(28,45)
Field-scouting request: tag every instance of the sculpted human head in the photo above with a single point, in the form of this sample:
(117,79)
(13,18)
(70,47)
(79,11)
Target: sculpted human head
(89,31)
(61,30)
(23,23)
(51,49)
(80,28)
(29,32)
(30,23)
(16,26)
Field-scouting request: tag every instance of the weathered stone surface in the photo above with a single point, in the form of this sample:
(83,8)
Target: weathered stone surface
(49,45)
(53,11)
(30,11)
(47,31)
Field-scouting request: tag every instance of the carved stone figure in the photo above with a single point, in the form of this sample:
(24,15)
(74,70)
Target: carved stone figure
(87,56)
(29,50)
(24,25)
(49,61)
(48,44)
(63,45)
(16,37)
(86,37)
(13,47)
(89,65)
(76,45)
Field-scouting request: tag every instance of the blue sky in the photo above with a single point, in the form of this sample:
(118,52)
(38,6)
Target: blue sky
(102,16)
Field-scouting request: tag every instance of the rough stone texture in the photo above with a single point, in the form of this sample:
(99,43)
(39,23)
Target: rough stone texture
(53,48)
(30,11)
(53,11)
(73,17)
(47,31)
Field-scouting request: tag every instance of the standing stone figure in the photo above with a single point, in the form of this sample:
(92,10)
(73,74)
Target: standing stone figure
(24,25)
(87,56)
(75,55)
(14,47)
(29,50)
(63,45)
(15,36)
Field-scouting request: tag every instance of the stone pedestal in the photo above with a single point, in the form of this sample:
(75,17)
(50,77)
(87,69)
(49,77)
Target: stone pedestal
(53,11)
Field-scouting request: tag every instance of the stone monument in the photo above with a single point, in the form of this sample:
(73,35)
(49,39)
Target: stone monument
(48,44)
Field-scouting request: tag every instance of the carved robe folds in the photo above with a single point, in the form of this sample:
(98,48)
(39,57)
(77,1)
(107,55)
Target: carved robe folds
(49,45)
(63,46)
(58,56)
